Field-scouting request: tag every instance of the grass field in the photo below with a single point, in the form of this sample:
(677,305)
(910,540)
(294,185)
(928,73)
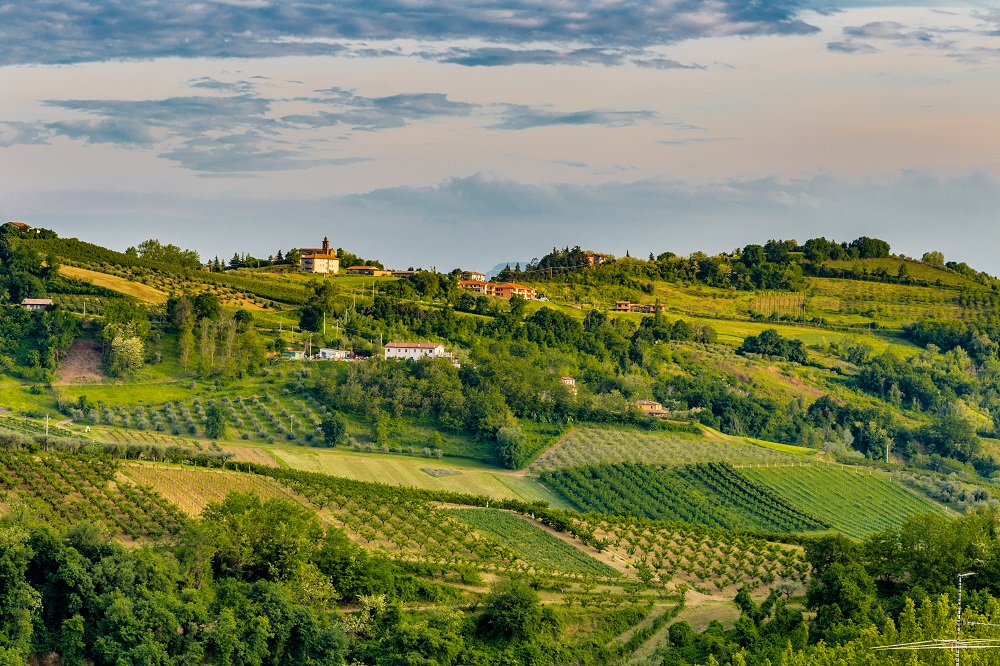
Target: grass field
(535,546)
(404,470)
(138,290)
(593,446)
(857,502)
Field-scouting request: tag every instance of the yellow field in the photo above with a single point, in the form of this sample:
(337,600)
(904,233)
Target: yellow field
(138,290)
(403,470)
(193,489)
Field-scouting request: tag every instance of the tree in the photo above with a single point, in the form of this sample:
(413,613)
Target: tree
(934,258)
(215,423)
(125,355)
(511,611)
(334,429)
(257,540)
(207,306)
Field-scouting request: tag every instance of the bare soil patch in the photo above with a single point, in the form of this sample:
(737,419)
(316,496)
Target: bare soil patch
(82,363)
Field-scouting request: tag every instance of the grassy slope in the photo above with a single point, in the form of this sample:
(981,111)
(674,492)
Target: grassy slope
(140,291)
(404,470)
(856,502)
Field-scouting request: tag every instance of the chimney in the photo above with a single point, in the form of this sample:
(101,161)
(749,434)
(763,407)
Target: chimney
(326,245)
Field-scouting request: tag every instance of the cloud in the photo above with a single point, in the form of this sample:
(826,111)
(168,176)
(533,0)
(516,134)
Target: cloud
(378,113)
(520,117)
(850,47)
(234,88)
(69,31)
(686,141)
(503,57)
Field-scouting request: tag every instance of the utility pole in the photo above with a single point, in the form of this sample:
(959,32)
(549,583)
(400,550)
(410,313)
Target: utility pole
(324,324)
(46,425)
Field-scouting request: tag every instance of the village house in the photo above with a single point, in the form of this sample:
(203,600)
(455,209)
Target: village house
(21,225)
(570,383)
(474,276)
(414,350)
(651,408)
(594,258)
(36,304)
(368,270)
(403,274)
(502,290)
(294,354)
(319,259)
(333,354)
(647,308)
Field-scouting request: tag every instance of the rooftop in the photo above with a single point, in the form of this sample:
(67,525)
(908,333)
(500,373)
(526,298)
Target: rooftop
(413,345)
(37,301)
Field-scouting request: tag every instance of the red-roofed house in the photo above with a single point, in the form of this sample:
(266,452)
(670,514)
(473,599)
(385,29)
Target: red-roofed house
(36,304)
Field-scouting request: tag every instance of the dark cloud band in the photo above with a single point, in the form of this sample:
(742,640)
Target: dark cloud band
(69,31)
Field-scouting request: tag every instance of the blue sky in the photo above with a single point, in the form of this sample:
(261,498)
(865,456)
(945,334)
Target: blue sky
(438,133)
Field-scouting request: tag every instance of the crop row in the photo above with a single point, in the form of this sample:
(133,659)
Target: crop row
(66,489)
(712,494)
(593,446)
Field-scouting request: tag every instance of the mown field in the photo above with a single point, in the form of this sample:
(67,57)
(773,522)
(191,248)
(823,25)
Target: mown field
(138,290)
(857,502)
(451,474)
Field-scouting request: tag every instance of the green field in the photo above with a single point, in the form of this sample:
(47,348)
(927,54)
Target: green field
(594,446)
(403,470)
(857,502)
(535,546)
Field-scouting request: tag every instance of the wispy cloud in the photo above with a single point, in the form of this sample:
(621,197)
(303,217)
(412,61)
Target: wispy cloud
(850,47)
(68,31)
(344,107)
(520,117)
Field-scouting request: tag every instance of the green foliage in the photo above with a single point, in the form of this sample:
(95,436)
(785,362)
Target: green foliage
(257,540)
(153,250)
(334,428)
(511,612)
(215,423)
(770,343)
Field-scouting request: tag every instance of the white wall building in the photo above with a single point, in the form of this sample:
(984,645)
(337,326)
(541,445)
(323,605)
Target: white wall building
(333,354)
(414,350)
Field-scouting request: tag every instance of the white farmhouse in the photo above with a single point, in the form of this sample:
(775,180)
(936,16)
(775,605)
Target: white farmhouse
(333,354)
(415,350)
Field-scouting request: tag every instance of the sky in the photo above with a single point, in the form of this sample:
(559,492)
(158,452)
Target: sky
(463,133)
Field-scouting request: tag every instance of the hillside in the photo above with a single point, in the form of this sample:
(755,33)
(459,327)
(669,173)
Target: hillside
(622,461)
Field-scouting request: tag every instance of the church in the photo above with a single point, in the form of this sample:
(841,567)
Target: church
(319,260)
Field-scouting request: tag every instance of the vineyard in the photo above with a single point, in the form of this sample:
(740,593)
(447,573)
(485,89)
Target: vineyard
(31,427)
(700,556)
(592,446)
(64,489)
(192,490)
(855,502)
(536,547)
(712,494)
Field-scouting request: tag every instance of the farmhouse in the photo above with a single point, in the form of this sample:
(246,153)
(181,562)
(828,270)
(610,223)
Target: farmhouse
(294,355)
(414,350)
(21,225)
(503,290)
(648,308)
(651,408)
(474,275)
(368,270)
(36,304)
(333,354)
(569,382)
(319,259)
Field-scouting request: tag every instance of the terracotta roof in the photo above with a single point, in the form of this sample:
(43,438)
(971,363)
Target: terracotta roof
(461,282)
(413,345)
(37,301)
(20,225)
(514,285)
(364,268)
